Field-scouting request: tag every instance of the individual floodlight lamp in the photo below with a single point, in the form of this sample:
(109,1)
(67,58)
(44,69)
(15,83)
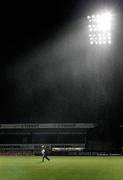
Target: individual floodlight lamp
(99,28)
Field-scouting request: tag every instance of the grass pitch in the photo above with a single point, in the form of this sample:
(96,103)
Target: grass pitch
(61,168)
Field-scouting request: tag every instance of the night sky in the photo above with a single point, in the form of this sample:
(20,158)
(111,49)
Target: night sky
(49,72)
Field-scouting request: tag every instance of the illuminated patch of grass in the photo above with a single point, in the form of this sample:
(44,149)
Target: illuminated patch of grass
(61,168)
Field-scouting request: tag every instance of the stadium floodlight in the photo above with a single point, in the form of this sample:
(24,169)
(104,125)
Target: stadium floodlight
(99,27)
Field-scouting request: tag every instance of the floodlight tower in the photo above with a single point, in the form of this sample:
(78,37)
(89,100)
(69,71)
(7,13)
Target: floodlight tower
(99,28)
(100,37)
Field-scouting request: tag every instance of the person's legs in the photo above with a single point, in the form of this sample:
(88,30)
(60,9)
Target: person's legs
(43,158)
(47,157)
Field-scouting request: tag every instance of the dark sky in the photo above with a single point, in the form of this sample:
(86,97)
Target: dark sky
(49,73)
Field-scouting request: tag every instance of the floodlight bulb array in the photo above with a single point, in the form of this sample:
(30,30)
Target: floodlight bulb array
(99,27)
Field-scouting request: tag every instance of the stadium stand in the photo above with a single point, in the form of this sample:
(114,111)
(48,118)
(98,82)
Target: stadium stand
(27,138)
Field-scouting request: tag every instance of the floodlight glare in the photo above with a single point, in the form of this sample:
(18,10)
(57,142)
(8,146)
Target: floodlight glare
(93,16)
(109,42)
(99,27)
(88,17)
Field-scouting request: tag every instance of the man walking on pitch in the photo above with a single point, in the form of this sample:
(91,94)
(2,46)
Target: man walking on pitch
(44,153)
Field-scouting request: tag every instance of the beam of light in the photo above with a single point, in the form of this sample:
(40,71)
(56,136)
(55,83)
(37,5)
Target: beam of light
(100,26)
